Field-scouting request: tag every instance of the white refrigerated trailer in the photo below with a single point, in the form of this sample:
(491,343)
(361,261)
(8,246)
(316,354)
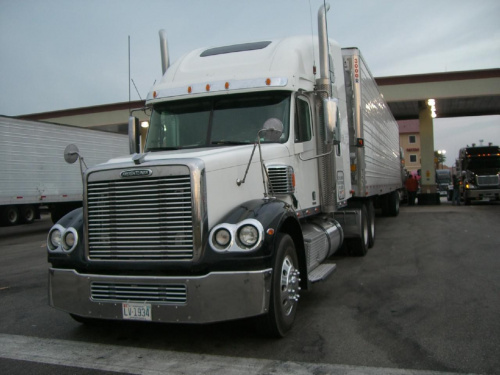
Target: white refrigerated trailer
(33,172)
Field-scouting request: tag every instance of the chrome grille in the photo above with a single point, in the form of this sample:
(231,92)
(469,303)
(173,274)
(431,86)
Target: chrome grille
(487,180)
(140,219)
(102,291)
(280,179)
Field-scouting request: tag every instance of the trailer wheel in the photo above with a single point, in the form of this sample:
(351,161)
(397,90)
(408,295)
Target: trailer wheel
(284,289)
(11,215)
(391,204)
(28,214)
(370,209)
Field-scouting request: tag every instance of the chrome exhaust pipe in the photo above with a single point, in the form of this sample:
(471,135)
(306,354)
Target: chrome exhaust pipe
(164,51)
(324,65)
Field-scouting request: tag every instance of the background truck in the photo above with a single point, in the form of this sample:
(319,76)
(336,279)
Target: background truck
(478,167)
(34,172)
(256,169)
(444,183)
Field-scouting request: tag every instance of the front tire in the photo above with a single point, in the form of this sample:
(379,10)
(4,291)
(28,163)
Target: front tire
(284,289)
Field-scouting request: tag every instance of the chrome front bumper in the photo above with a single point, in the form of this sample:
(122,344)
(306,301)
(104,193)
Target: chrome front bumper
(492,194)
(214,297)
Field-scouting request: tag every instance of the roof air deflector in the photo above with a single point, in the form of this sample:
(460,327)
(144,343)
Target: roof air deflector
(235,48)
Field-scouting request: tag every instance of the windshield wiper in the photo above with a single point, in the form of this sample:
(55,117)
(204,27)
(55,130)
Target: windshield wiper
(153,149)
(236,143)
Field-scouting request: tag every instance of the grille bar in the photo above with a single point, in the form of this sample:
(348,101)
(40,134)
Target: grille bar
(141,219)
(487,180)
(170,293)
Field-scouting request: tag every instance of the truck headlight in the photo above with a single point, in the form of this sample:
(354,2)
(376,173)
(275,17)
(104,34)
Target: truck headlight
(62,239)
(222,237)
(54,238)
(248,235)
(69,240)
(245,236)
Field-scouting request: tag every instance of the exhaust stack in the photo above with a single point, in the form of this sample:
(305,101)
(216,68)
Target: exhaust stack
(164,51)
(324,65)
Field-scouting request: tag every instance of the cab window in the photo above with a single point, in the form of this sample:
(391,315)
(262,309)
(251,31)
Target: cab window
(302,121)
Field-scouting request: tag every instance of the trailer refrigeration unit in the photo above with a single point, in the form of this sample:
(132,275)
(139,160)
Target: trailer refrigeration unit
(34,173)
(479,169)
(255,171)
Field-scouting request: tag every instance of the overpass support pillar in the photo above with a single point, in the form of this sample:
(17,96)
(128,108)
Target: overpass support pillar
(428,192)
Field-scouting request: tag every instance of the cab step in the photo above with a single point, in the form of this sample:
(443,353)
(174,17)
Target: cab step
(321,272)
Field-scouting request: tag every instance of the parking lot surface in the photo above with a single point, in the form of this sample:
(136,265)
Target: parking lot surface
(425,299)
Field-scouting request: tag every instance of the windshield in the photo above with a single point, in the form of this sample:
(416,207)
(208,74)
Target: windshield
(443,177)
(490,165)
(216,121)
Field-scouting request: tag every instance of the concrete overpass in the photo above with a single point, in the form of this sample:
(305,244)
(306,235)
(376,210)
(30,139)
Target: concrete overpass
(456,94)
(467,93)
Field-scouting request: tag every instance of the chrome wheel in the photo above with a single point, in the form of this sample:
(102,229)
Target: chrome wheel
(289,287)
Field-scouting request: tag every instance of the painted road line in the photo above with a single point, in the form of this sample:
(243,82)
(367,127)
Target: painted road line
(153,361)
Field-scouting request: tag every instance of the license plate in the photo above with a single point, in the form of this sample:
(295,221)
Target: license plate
(136,311)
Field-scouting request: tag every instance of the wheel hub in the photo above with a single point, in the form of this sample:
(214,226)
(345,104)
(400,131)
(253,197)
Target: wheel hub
(289,286)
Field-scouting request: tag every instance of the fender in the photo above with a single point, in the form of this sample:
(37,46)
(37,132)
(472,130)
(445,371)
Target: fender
(275,216)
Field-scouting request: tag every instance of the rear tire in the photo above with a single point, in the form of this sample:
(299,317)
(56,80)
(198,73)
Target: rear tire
(11,215)
(391,204)
(370,209)
(284,289)
(359,246)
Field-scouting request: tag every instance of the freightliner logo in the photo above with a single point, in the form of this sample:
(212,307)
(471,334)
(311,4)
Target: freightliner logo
(136,173)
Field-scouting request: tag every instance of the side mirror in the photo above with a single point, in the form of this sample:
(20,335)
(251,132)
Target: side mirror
(71,154)
(272,129)
(134,134)
(330,107)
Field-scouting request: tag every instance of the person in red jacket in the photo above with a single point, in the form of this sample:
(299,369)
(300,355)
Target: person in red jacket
(411,186)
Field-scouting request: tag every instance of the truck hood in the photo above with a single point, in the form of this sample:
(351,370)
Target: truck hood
(214,158)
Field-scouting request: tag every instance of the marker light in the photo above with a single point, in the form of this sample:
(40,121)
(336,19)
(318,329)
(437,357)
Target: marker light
(226,86)
(268,81)
(207,87)
(189,89)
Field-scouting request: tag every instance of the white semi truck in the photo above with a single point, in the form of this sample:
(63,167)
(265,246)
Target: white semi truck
(33,173)
(256,169)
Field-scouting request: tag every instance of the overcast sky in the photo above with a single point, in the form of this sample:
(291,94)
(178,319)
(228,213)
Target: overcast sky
(60,54)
